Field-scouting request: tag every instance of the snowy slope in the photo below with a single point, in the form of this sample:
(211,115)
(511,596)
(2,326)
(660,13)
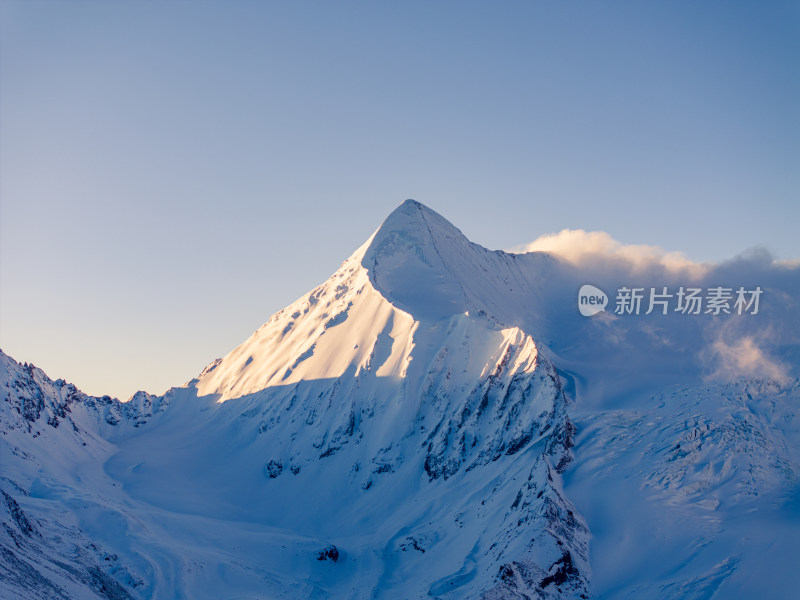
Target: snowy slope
(694,494)
(52,450)
(402,431)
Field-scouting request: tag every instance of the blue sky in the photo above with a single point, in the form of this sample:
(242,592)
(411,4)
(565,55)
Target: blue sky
(172,173)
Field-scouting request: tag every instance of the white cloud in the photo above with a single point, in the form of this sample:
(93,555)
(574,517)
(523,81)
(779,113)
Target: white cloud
(582,248)
(743,358)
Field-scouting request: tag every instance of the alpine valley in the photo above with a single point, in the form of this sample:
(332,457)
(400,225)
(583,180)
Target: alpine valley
(436,420)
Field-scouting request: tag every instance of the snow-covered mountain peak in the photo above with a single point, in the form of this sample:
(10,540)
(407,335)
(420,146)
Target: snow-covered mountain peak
(425,266)
(403,296)
(414,231)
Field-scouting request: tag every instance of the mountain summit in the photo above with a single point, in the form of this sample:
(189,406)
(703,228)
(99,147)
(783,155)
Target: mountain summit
(414,278)
(424,265)
(409,260)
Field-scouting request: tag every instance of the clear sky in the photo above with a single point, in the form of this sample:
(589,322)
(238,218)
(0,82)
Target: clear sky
(172,173)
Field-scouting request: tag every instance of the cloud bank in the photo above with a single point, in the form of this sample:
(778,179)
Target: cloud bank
(724,347)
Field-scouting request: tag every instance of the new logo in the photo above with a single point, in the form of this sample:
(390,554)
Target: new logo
(591,300)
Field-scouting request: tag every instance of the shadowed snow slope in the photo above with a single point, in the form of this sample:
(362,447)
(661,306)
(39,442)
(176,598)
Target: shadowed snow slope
(401,431)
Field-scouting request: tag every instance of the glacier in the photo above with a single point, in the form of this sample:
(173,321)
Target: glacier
(436,420)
